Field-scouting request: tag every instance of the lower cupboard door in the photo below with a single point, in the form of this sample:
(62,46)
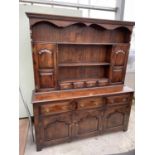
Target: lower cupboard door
(56,128)
(88,123)
(115,119)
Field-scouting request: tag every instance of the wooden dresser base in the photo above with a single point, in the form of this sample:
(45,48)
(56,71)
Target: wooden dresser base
(70,119)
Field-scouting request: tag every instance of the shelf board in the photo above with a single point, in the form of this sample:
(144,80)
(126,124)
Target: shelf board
(69,43)
(84,79)
(79,43)
(83,64)
(46,70)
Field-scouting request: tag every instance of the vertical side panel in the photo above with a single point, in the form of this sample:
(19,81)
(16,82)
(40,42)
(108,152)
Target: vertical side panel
(36,67)
(37,125)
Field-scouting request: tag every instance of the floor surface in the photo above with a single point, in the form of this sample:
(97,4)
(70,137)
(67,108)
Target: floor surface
(23,133)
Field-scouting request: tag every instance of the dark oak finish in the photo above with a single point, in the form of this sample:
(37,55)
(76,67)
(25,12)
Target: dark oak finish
(66,48)
(115,119)
(79,70)
(87,123)
(61,121)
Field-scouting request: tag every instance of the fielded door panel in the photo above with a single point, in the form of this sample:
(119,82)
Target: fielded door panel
(87,123)
(115,118)
(44,56)
(56,128)
(119,61)
(119,55)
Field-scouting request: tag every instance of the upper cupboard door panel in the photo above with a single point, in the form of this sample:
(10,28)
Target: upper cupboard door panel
(46,53)
(119,55)
(79,32)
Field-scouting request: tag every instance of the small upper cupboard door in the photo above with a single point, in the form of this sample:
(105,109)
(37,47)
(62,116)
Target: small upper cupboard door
(119,55)
(115,118)
(56,128)
(87,123)
(44,57)
(118,61)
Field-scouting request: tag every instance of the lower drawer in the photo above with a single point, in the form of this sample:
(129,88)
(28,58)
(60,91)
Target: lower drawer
(118,99)
(56,107)
(92,102)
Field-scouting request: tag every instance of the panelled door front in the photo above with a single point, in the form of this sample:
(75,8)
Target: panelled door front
(56,128)
(87,123)
(119,61)
(115,119)
(44,56)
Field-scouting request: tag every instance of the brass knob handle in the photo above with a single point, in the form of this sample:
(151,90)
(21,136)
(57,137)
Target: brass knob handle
(47,110)
(112,101)
(124,99)
(64,108)
(81,105)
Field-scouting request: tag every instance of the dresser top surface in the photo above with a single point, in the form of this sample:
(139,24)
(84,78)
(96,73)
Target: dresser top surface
(39,97)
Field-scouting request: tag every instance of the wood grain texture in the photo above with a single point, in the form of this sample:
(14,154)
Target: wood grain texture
(77,50)
(63,121)
(63,21)
(80,93)
(79,70)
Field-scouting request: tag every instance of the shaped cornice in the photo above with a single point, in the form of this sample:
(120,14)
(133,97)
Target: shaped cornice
(64,21)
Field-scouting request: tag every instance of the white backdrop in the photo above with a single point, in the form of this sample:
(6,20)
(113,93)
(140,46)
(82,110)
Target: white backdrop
(26,78)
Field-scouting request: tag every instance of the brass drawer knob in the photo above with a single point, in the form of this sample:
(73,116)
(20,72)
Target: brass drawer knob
(112,101)
(81,105)
(124,99)
(64,108)
(47,110)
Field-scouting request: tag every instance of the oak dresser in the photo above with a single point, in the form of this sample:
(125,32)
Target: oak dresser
(79,71)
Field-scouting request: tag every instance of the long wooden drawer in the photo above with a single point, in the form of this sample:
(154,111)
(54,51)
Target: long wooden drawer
(57,107)
(118,99)
(92,102)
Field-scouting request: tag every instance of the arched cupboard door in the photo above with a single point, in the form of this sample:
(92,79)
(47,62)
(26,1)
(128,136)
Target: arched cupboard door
(44,58)
(119,58)
(116,119)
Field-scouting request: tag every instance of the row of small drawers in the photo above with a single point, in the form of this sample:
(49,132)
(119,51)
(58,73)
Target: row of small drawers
(82,84)
(92,102)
